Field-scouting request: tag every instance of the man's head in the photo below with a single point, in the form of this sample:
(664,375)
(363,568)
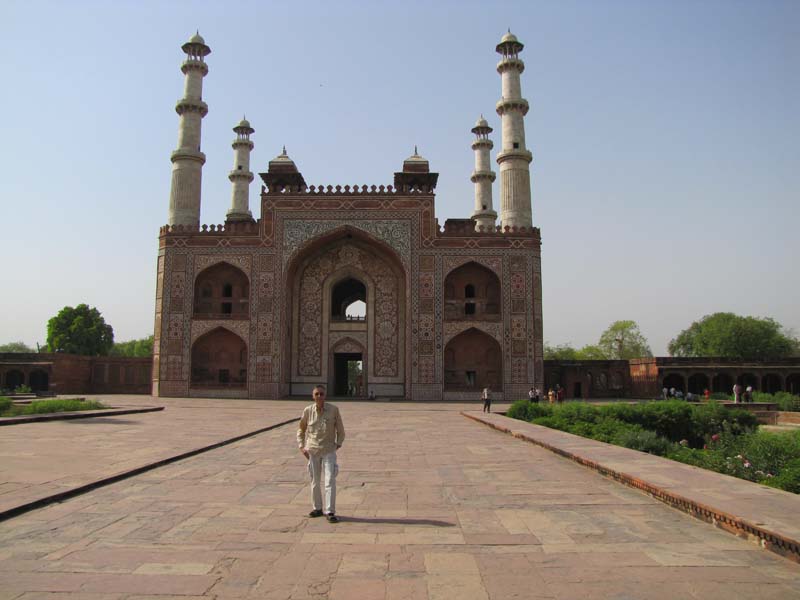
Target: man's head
(319,395)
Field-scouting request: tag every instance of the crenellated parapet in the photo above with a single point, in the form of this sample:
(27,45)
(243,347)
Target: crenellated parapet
(347,190)
(230,228)
(467,228)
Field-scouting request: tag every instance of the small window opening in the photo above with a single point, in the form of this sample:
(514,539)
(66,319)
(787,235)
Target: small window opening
(469,308)
(469,291)
(224,376)
(471,378)
(227,290)
(227,308)
(516,145)
(484,207)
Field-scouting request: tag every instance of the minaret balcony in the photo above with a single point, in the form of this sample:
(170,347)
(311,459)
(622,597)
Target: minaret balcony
(510,63)
(509,155)
(239,143)
(488,144)
(248,175)
(194,65)
(186,154)
(508,104)
(185,105)
(482,176)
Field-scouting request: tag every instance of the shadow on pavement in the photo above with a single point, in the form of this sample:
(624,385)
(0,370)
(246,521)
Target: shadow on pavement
(398,521)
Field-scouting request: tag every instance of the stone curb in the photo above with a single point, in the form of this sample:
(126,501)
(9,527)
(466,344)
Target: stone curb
(82,489)
(83,414)
(769,540)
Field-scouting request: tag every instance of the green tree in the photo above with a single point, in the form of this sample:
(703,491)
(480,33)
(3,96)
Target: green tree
(561,352)
(16,347)
(142,347)
(623,340)
(79,330)
(591,352)
(728,335)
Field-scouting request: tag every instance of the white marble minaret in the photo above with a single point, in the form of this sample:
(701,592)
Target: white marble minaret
(482,177)
(514,159)
(241,176)
(187,160)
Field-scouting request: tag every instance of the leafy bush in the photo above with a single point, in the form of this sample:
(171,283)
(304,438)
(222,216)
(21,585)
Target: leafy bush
(788,479)
(22,389)
(707,435)
(5,404)
(40,407)
(784,400)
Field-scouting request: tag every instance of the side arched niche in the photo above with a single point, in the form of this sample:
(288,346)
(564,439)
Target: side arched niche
(473,360)
(219,360)
(221,291)
(472,292)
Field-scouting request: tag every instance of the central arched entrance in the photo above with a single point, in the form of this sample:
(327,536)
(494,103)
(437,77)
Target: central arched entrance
(347,319)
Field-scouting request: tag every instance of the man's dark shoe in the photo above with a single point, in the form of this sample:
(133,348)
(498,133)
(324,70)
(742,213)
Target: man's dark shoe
(332,518)
(315,513)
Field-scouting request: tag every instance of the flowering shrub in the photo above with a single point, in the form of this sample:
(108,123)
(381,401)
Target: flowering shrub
(709,436)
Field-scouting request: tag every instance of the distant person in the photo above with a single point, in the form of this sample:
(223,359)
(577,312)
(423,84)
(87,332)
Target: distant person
(559,394)
(372,395)
(551,396)
(689,397)
(707,394)
(679,394)
(486,396)
(748,394)
(532,396)
(737,393)
(664,393)
(672,392)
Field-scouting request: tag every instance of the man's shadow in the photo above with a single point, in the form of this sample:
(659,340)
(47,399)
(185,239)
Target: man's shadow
(396,521)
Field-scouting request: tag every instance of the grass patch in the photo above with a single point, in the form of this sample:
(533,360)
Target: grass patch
(41,407)
(705,435)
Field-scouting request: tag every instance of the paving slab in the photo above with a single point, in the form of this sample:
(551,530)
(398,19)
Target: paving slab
(432,506)
(768,515)
(45,459)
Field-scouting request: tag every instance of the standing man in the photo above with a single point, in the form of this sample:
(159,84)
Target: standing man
(319,436)
(486,396)
(737,393)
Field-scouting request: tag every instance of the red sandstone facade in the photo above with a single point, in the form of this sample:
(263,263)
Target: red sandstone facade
(251,310)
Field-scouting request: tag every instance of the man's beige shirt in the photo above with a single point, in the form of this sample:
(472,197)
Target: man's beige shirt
(322,431)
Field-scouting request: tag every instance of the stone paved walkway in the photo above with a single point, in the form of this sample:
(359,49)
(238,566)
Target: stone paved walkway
(433,505)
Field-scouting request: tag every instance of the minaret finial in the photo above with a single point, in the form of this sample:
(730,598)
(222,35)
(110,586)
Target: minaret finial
(415,150)
(284,149)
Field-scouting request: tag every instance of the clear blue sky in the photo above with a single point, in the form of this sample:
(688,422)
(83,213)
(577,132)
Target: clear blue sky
(666,173)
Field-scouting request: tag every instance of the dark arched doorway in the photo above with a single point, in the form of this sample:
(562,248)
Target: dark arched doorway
(219,360)
(793,383)
(674,380)
(771,383)
(39,381)
(473,360)
(14,379)
(698,383)
(722,384)
(748,380)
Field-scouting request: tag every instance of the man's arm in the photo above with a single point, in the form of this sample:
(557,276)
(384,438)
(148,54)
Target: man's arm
(339,430)
(301,433)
